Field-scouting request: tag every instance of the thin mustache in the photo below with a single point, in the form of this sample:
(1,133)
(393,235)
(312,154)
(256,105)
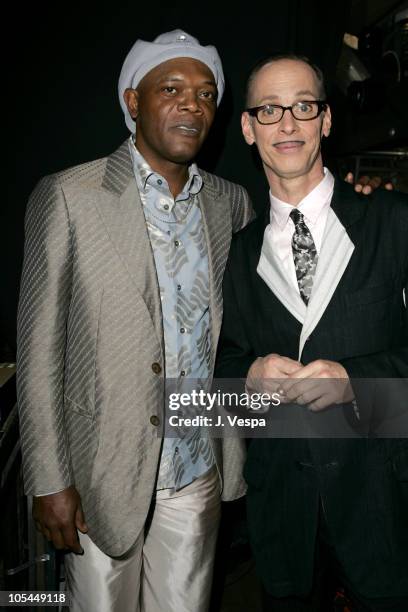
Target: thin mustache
(289,142)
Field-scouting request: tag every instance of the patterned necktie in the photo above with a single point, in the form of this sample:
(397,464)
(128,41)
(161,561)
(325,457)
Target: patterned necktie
(304,255)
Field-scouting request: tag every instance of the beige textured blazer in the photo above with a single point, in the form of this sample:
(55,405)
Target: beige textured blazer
(90,342)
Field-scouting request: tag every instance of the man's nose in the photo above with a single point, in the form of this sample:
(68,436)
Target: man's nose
(189,101)
(288,123)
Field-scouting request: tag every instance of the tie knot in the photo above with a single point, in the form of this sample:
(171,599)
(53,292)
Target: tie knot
(296,216)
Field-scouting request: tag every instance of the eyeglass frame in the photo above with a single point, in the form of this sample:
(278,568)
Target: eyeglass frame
(321,107)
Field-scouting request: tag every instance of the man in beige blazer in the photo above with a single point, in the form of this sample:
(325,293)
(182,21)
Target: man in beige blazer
(93,349)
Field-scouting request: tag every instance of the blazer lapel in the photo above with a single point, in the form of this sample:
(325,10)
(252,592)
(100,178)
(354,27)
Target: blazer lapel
(270,270)
(335,254)
(122,213)
(216,216)
(337,249)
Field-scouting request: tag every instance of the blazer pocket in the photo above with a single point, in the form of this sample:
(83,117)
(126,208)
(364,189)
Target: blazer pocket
(72,406)
(370,295)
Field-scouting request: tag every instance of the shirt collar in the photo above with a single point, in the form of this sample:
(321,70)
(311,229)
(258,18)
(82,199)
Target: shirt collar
(311,206)
(146,177)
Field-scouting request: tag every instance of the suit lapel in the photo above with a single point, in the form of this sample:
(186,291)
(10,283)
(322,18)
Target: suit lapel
(337,248)
(121,211)
(335,254)
(270,270)
(216,216)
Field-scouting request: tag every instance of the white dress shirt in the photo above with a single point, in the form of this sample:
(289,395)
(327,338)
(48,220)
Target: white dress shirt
(314,207)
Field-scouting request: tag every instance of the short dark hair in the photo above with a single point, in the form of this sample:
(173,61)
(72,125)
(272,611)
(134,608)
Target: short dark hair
(284,56)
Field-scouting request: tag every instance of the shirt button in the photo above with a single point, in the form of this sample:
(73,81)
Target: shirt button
(155,420)
(178,287)
(176,243)
(156,367)
(182,373)
(159,182)
(176,450)
(166,207)
(182,330)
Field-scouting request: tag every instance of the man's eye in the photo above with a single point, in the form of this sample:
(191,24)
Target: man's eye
(305,107)
(209,95)
(169,90)
(269,110)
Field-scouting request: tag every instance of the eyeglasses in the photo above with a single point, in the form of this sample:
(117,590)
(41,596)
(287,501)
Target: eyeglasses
(302,111)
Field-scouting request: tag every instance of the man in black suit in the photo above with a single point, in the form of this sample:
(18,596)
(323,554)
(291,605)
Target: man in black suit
(313,291)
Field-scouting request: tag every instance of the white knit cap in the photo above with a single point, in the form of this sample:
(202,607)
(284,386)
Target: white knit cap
(144,56)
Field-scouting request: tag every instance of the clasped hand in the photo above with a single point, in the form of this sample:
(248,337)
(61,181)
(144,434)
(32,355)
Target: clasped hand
(318,385)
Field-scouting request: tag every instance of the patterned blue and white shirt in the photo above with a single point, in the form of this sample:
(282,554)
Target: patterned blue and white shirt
(180,252)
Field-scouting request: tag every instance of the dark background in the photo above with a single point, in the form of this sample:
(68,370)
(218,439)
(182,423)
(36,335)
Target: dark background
(63,62)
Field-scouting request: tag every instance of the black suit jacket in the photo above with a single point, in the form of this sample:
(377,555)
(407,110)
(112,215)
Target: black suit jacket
(363,483)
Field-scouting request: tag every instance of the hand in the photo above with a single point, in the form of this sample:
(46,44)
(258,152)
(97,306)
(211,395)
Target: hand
(319,384)
(366,184)
(58,516)
(265,374)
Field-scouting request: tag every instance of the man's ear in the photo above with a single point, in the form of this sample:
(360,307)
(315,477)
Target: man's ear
(326,125)
(246,125)
(131,98)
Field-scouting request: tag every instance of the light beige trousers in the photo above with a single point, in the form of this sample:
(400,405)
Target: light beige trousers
(169,569)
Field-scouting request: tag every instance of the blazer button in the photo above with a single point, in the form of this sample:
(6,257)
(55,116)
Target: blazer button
(156,367)
(155,420)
